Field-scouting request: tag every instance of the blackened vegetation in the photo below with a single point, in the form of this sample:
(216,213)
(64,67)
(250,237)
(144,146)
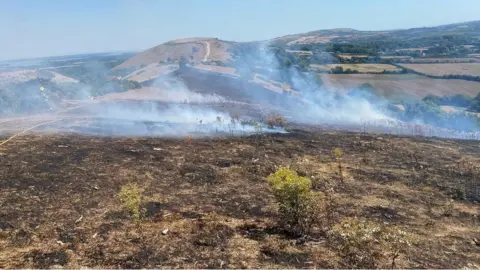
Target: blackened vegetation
(212,196)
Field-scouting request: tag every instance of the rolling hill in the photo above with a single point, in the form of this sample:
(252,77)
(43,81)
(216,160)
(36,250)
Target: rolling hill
(21,76)
(194,50)
(419,35)
(269,63)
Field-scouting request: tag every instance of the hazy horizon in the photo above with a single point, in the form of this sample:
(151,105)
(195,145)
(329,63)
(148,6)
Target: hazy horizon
(34,29)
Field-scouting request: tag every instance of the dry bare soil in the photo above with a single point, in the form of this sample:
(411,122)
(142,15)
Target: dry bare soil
(59,205)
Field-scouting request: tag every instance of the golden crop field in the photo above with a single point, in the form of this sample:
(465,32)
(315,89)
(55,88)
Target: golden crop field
(349,56)
(445,60)
(395,57)
(358,67)
(472,69)
(402,84)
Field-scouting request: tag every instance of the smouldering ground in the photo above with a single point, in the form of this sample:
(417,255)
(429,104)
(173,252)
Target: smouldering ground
(59,205)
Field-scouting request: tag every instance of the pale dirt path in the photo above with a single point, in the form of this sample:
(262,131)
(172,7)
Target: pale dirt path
(208,51)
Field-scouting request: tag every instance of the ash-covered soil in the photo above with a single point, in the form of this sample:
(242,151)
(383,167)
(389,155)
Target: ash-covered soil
(207,204)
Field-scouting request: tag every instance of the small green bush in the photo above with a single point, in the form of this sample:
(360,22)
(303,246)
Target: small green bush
(297,202)
(131,197)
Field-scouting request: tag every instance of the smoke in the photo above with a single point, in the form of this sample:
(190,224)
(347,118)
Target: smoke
(317,104)
(175,110)
(173,90)
(172,110)
(314,104)
(151,118)
(148,111)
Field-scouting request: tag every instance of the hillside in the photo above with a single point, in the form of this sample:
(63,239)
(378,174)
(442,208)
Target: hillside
(415,35)
(193,50)
(318,150)
(21,76)
(325,36)
(447,43)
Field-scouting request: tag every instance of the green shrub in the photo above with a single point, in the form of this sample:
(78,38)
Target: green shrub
(297,202)
(131,197)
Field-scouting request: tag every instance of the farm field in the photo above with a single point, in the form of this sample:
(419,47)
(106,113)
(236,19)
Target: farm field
(349,56)
(413,49)
(472,69)
(300,52)
(406,85)
(395,57)
(445,60)
(358,67)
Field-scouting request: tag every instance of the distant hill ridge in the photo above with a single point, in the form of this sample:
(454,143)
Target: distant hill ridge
(198,50)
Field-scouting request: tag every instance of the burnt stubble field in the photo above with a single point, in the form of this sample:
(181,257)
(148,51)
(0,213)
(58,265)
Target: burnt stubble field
(206,203)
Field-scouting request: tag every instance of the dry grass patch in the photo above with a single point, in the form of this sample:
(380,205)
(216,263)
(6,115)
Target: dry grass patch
(472,69)
(402,85)
(358,67)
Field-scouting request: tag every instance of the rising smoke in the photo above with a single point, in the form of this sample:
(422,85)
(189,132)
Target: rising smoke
(317,104)
(183,111)
(314,104)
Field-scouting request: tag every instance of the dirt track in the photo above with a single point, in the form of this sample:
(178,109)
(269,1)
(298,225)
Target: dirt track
(207,53)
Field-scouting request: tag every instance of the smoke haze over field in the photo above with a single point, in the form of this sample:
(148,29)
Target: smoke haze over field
(256,72)
(314,104)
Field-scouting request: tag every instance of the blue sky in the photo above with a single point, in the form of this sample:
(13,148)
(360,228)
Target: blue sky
(33,28)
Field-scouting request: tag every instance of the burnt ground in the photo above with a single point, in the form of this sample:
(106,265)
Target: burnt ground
(59,204)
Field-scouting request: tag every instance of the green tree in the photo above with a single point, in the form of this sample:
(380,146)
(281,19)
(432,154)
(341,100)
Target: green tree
(475,104)
(337,70)
(296,200)
(432,99)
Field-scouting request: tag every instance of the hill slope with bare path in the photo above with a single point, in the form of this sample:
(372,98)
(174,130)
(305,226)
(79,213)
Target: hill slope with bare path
(194,50)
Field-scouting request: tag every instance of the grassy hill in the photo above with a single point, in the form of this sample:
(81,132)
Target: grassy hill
(192,50)
(417,37)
